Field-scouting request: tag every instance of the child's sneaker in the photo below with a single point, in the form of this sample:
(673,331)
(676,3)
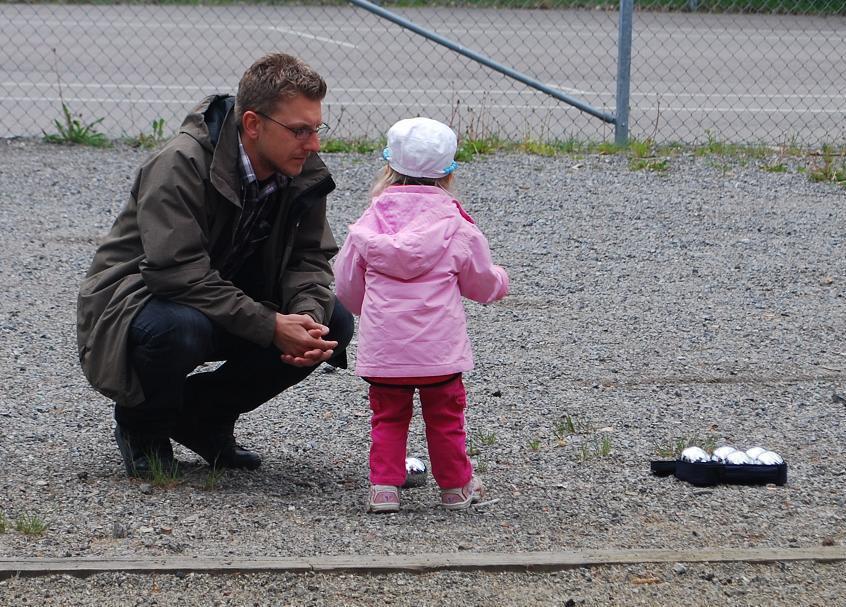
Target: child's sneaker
(383,498)
(462,497)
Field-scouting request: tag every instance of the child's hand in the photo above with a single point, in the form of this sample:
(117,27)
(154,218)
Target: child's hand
(301,341)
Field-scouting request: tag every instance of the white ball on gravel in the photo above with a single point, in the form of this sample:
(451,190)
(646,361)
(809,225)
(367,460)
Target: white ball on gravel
(720,453)
(738,457)
(415,473)
(694,455)
(769,458)
(754,452)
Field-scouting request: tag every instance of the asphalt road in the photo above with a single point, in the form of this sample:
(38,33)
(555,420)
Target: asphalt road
(734,77)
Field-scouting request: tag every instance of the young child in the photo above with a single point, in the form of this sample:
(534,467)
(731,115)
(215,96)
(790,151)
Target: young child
(403,268)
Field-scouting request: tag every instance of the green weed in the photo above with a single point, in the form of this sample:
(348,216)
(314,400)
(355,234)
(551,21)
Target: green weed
(164,475)
(213,478)
(641,164)
(595,447)
(828,166)
(2,522)
(152,139)
(560,431)
(570,146)
(714,147)
(353,146)
(488,439)
(641,149)
(74,131)
(774,168)
(607,148)
(30,524)
(604,449)
(469,148)
(572,425)
(534,444)
(538,148)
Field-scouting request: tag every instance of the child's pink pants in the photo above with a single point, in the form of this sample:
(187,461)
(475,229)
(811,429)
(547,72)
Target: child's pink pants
(443,413)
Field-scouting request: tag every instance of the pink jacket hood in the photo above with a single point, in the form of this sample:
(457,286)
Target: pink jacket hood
(407,230)
(404,268)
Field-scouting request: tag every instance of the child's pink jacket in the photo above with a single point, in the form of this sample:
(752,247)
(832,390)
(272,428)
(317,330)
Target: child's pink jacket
(404,267)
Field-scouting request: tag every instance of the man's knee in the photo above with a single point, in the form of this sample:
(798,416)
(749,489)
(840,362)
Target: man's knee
(166,328)
(341,326)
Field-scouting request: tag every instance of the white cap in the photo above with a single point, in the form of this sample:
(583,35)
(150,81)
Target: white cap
(421,147)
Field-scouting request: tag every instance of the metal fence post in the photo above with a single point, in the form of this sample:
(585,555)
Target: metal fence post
(624,65)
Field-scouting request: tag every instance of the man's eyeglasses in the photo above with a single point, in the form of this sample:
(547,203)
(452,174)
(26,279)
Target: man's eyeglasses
(301,132)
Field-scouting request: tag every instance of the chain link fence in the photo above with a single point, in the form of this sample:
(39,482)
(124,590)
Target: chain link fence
(767,72)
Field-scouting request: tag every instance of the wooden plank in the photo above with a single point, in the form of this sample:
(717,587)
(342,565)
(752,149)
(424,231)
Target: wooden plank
(413,563)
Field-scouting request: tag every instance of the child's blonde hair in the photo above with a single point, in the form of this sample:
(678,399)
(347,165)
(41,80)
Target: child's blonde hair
(388,177)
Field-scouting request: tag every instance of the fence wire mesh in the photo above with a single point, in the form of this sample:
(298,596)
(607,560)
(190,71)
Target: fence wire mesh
(763,72)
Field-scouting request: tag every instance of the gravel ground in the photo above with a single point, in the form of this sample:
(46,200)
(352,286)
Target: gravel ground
(704,302)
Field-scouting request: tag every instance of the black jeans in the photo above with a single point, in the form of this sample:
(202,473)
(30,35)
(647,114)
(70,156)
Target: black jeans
(169,340)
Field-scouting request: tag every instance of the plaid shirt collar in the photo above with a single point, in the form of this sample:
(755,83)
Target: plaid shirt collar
(250,183)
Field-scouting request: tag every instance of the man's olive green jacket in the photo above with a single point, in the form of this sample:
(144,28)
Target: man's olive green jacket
(172,235)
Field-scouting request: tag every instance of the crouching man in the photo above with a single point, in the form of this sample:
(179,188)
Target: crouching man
(220,254)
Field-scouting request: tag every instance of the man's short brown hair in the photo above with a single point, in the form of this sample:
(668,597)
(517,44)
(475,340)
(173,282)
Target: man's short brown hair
(274,78)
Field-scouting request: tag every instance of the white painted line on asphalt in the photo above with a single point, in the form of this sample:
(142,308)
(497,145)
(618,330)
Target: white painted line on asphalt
(486,106)
(156,101)
(188,26)
(92,85)
(311,36)
(439,92)
(666,32)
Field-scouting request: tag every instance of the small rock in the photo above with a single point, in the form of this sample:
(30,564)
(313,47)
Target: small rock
(119,530)
(679,568)
(145,529)
(146,488)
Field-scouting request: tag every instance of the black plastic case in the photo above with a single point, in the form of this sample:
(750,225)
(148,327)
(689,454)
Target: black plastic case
(706,474)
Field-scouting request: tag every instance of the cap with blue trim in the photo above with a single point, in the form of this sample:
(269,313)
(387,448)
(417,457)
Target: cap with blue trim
(421,147)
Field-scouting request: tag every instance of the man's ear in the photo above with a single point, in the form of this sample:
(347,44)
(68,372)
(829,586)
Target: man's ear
(250,124)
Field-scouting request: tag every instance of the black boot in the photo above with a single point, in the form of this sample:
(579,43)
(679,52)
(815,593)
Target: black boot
(216,445)
(143,455)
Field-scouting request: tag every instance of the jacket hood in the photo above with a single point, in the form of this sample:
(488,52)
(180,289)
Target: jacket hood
(406,230)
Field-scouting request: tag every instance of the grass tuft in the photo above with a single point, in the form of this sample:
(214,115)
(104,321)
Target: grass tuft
(352,146)
(642,164)
(828,165)
(488,439)
(30,524)
(596,447)
(73,130)
(774,168)
(149,140)
(213,478)
(164,475)
(469,148)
